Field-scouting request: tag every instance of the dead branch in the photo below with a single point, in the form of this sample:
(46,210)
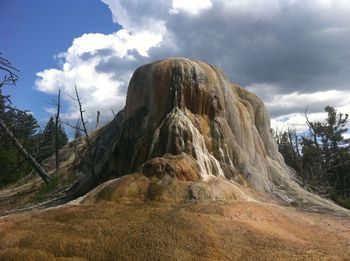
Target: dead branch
(87,137)
(25,153)
(97,119)
(56,130)
(77,127)
(312,129)
(113,113)
(11,79)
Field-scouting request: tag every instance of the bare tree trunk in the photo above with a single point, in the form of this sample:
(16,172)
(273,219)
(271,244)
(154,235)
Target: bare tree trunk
(312,130)
(97,119)
(11,79)
(87,138)
(56,131)
(42,173)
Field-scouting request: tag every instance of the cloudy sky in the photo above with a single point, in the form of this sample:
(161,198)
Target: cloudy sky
(291,53)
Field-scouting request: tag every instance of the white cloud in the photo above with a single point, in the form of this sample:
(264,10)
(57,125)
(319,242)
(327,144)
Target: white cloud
(140,16)
(316,102)
(296,101)
(193,6)
(296,121)
(99,90)
(292,53)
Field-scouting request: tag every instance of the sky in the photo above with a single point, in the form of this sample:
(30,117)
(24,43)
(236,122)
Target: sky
(291,53)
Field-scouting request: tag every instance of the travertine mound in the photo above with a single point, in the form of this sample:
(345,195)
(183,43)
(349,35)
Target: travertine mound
(184,107)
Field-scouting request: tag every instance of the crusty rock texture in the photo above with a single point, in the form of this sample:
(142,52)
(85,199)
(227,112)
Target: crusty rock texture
(185,106)
(190,109)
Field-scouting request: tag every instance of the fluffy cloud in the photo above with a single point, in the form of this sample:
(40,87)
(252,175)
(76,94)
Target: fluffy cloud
(292,53)
(288,110)
(82,65)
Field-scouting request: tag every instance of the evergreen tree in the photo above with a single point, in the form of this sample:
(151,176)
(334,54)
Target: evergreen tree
(323,163)
(288,145)
(47,145)
(327,153)
(16,131)
(24,127)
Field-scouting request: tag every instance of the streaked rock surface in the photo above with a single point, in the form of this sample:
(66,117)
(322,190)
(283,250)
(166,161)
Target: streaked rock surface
(184,107)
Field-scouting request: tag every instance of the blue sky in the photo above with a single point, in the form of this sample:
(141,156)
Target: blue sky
(32,32)
(291,53)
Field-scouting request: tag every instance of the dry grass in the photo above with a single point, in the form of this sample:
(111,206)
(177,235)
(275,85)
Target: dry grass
(123,226)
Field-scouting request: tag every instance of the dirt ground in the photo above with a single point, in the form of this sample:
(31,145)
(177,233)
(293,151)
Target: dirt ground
(139,229)
(146,218)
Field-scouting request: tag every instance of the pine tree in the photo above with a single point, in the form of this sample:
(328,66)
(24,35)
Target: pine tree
(12,118)
(47,145)
(13,165)
(327,154)
(321,157)
(289,146)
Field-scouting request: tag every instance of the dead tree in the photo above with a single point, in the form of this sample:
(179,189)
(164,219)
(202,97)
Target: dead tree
(55,141)
(87,137)
(97,119)
(77,133)
(36,166)
(10,78)
(57,118)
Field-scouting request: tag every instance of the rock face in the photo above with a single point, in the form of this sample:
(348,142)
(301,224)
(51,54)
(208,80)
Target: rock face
(197,125)
(184,106)
(180,106)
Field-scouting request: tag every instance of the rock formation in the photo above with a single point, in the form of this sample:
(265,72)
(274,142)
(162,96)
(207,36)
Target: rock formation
(184,119)
(189,171)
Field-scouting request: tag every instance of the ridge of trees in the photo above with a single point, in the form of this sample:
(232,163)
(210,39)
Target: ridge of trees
(22,145)
(320,156)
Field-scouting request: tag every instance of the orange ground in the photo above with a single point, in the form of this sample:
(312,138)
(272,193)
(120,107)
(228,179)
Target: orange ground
(140,229)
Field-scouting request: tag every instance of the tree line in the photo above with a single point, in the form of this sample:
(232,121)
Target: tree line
(320,156)
(38,143)
(23,144)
